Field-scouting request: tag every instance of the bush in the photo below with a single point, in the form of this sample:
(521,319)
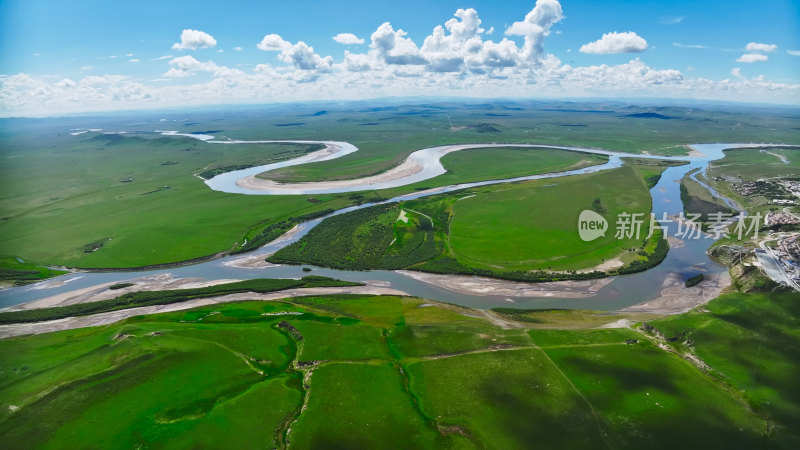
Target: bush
(695,280)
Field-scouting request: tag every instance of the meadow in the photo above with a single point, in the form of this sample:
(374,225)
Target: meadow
(394,372)
(524,230)
(132,200)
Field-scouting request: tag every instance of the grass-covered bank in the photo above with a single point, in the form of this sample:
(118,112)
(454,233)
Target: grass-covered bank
(396,372)
(16,272)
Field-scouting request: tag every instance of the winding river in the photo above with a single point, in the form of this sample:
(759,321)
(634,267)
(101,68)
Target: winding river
(619,292)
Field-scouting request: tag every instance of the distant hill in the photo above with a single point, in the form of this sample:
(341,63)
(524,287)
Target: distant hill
(112,139)
(485,128)
(650,115)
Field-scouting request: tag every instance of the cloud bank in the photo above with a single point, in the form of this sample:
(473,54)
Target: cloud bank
(457,58)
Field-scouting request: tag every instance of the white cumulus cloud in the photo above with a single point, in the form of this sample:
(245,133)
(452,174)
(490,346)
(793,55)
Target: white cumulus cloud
(301,55)
(193,40)
(751,58)
(272,42)
(614,42)
(348,39)
(447,51)
(393,47)
(756,47)
(535,27)
(793,52)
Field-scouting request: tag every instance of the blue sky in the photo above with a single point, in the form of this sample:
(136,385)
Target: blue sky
(98,55)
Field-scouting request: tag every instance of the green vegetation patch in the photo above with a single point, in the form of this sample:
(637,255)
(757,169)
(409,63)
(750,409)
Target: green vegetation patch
(646,397)
(751,343)
(371,238)
(371,411)
(695,280)
(397,372)
(564,318)
(17,272)
(533,226)
(509,399)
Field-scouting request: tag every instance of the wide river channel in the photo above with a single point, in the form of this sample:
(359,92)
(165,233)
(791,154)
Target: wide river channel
(623,291)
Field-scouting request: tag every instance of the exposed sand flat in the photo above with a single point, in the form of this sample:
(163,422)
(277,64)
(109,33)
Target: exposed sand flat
(406,169)
(489,286)
(675,242)
(676,298)
(611,264)
(250,262)
(114,316)
(102,292)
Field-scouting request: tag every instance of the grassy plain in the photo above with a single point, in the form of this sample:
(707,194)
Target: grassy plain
(534,226)
(751,343)
(66,200)
(389,133)
(501,229)
(356,371)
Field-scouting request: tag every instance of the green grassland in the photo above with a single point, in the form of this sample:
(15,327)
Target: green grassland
(518,230)
(388,134)
(567,318)
(72,204)
(398,372)
(107,221)
(100,201)
(750,342)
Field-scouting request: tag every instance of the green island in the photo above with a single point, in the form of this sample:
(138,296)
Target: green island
(475,232)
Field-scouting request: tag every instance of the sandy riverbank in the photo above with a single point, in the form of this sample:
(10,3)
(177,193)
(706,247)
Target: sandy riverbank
(102,292)
(490,286)
(676,298)
(406,169)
